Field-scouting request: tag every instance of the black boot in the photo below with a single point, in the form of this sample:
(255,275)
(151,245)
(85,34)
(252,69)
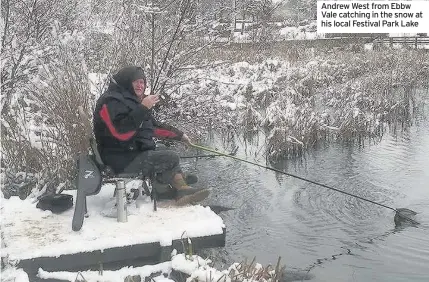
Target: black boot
(190,178)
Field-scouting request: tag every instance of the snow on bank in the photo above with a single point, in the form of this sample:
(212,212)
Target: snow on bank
(29,232)
(109,276)
(10,274)
(298,33)
(197,268)
(194,266)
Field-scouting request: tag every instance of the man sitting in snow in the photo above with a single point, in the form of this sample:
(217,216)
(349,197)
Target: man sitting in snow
(124,129)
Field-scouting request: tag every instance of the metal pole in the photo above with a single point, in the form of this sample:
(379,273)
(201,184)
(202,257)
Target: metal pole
(120,201)
(139,200)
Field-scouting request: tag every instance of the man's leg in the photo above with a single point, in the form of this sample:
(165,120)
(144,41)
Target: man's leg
(188,177)
(165,164)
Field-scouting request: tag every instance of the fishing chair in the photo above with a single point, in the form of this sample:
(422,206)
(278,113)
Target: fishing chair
(92,173)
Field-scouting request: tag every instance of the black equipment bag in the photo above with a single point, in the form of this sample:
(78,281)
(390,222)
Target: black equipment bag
(56,203)
(89,176)
(88,182)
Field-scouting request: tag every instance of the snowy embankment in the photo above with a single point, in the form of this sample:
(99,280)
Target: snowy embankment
(335,96)
(247,32)
(193,267)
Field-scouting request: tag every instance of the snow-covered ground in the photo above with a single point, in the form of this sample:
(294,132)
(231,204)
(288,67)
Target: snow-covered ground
(300,33)
(11,274)
(29,232)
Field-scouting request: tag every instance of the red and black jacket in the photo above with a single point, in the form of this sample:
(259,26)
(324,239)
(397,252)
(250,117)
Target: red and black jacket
(123,127)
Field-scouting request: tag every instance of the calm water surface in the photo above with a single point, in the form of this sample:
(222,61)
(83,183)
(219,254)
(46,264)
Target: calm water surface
(331,236)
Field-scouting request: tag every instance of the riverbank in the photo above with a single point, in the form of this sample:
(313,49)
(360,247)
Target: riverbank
(181,267)
(339,95)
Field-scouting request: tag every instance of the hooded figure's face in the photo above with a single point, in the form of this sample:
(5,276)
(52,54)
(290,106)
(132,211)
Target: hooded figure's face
(132,79)
(139,87)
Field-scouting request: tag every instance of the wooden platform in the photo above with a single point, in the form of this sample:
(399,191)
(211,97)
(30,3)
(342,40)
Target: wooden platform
(34,239)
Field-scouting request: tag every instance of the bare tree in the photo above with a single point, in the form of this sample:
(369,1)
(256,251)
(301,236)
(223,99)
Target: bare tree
(161,37)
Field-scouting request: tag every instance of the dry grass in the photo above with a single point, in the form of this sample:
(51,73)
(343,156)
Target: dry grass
(45,135)
(335,91)
(252,271)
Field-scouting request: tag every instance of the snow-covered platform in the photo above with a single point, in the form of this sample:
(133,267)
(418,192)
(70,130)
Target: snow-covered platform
(35,239)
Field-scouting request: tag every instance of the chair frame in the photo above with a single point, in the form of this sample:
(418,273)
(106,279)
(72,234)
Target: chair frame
(108,176)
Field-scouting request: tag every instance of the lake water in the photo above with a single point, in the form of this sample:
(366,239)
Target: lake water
(330,236)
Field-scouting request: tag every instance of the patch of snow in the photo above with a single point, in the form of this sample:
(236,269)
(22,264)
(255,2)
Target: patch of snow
(198,268)
(368,46)
(108,275)
(30,232)
(297,33)
(241,38)
(97,83)
(188,264)
(166,239)
(11,274)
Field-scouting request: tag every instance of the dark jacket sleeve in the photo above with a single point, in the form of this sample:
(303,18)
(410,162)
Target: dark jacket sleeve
(122,122)
(166,131)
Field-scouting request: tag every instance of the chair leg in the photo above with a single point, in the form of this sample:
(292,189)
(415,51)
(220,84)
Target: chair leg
(121,199)
(150,191)
(146,188)
(154,198)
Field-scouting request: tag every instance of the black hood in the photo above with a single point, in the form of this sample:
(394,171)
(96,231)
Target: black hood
(125,76)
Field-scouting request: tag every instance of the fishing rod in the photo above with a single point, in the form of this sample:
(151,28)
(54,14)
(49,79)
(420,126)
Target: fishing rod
(200,156)
(232,153)
(397,211)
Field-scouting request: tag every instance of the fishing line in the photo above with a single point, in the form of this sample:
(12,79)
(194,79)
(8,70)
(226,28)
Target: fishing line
(400,213)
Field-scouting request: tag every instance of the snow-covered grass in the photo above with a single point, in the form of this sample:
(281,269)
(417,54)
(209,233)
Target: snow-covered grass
(342,96)
(12,274)
(123,274)
(194,267)
(299,33)
(279,31)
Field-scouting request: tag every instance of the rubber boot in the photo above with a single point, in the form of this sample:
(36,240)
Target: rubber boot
(187,194)
(190,178)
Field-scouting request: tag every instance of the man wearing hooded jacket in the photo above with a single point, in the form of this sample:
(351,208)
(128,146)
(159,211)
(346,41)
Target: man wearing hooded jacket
(124,129)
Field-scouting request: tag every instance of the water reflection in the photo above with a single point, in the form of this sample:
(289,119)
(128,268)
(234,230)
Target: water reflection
(334,236)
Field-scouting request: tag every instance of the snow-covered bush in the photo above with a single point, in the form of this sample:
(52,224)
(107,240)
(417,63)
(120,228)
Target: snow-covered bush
(46,136)
(343,96)
(43,82)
